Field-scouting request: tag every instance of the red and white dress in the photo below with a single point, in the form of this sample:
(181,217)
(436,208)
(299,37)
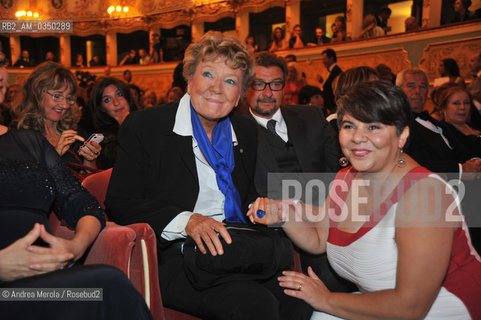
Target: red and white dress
(369,257)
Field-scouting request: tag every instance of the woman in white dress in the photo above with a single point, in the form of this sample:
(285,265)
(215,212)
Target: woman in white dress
(388,225)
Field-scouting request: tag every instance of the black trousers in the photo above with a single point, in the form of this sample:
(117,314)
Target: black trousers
(242,300)
(120,299)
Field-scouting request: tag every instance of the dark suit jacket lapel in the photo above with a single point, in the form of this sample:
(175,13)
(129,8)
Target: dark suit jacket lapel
(183,146)
(264,151)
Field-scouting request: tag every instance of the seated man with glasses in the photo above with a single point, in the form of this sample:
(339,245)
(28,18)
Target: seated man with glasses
(291,139)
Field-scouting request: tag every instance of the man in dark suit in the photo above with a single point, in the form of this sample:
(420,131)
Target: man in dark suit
(24,61)
(291,139)
(428,144)
(329,59)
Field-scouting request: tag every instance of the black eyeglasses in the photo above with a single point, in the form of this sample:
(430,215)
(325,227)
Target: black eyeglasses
(259,85)
(59,98)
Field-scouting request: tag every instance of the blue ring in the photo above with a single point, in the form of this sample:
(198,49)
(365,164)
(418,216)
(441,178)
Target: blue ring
(260,213)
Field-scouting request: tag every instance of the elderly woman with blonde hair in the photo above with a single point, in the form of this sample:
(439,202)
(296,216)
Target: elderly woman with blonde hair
(187,168)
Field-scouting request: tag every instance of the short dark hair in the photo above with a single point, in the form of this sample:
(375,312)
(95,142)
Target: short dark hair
(330,53)
(376,101)
(267,59)
(307,92)
(127,70)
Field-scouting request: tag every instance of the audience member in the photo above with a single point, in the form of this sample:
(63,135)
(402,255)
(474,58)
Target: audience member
(411,24)
(370,28)
(24,61)
(79,61)
(346,81)
(174,94)
(178,78)
(171,143)
(35,181)
(406,254)
(475,65)
(12,94)
(290,139)
(49,56)
(437,113)
(137,94)
(461,11)
(319,38)
(48,106)
(3,59)
(340,35)
(278,40)
(149,99)
(329,60)
(382,19)
(385,73)
(312,96)
(144,58)
(95,62)
(297,41)
(156,52)
(127,75)
(455,103)
(475,91)
(251,44)
(449,70)
(5,116)
(293,84)
(111,102)
(107,70)
(429,145)
(130,58)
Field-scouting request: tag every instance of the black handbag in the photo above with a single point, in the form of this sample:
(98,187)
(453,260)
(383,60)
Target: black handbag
(256,253)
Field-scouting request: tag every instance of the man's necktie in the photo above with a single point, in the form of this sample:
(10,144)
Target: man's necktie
(271,126)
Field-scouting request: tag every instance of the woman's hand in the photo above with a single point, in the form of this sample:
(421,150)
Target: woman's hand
(90,151)
(59,244)
(204,230)
(20,259)
(306,287)
(267,211)
(66,139)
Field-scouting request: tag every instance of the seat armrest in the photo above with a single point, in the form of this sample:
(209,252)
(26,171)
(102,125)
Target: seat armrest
(113,246)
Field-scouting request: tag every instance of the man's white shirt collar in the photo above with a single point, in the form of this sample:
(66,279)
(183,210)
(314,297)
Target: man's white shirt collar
(281,126)
(263,121)
(332,67)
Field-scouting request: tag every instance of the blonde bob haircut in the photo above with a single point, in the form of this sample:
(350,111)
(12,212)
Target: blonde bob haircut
(213,45)
(30,112)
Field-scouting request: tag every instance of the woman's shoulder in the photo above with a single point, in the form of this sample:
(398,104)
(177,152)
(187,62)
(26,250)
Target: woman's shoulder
(156,116)
(27,135)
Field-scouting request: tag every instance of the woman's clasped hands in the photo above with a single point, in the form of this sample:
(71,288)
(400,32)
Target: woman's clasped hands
(23,259)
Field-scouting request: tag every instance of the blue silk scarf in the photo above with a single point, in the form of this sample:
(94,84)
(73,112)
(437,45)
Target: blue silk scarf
(220,155)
